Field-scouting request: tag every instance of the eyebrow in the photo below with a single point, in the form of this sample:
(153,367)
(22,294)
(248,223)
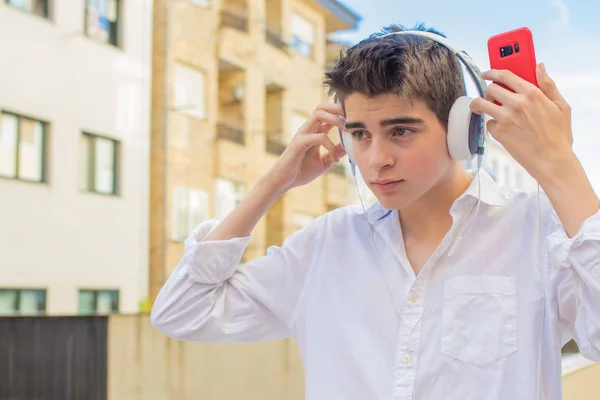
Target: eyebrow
(387,122)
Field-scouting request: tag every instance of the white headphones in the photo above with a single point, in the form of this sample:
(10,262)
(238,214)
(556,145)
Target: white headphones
(466,130)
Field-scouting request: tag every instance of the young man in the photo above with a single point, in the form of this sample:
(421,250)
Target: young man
(413,319)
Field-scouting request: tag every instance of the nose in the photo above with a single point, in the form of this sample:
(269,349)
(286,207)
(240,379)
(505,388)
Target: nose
(380,155)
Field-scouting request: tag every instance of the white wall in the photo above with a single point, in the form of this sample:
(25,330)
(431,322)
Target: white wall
(504,169)
(55,235)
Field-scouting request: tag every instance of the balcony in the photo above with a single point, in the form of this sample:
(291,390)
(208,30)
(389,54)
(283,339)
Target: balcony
(232,133)
(274,126)
(338,169)
(274,39)
(275,145)
(232,99)
(234,20)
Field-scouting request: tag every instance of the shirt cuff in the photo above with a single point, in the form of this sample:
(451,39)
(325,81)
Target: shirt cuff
(215,261)
(583,248)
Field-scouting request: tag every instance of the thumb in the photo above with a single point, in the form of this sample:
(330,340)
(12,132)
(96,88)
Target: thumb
(548,86)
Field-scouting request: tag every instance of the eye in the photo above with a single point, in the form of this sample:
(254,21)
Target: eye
(358,135)
(402,131)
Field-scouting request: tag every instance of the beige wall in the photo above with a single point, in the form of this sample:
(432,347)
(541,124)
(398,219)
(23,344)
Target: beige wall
(145,365)
(193,156)
(583,384)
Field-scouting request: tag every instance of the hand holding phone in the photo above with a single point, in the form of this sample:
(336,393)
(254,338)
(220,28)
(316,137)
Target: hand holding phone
(514,51)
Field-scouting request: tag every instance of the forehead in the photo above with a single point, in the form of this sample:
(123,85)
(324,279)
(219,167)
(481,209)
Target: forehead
(359,107)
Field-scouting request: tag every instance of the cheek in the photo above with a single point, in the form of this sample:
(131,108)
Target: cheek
(426,163)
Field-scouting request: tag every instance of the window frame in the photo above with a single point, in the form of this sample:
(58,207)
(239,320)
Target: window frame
(239,191)
(200,113)
(44,156)
(90,176)
(184,194)
(19,292)
(295,38)
(47,15)
(96,293)
(118,25)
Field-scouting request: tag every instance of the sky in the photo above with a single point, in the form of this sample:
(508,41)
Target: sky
(566,35)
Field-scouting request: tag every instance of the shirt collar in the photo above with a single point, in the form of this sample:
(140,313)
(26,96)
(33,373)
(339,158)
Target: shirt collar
(491,194)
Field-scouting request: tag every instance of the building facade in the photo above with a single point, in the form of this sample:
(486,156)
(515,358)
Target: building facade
(74,144)
(233,80)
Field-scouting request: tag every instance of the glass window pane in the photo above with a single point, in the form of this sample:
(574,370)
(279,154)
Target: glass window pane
(198,208)
(86,302)
(31,302)
(104,166)
(190,91)
(228,195)
(180,198)
(303,29)
(98,25)
(107,302)
(8,145)
(8,301)
(31,148)
(22,4)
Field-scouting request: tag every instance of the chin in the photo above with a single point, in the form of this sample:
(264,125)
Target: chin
(394,200)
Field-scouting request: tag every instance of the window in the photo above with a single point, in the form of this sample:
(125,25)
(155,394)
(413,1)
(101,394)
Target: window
(301,221)
(22,148)
(190,207)
(37,7)
(303,32)
(98,301)
(298,120)
(100,158)
(228,195)
(189,92)
(201,2)
(22,301)
(102,20)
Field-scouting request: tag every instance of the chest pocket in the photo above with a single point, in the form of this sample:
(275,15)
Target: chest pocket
(479,323)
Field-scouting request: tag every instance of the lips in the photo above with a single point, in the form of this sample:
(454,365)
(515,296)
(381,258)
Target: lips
(386,185)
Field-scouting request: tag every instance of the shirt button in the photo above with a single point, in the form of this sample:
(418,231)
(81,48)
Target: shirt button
(406,358)
(414,296)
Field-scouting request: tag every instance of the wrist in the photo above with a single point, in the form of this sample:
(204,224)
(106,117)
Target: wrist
(555,168)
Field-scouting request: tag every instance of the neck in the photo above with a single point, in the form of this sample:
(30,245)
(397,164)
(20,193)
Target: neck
(429,219)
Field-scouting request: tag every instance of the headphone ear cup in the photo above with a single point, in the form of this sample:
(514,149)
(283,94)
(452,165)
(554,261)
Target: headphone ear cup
(464,129)
(348,145)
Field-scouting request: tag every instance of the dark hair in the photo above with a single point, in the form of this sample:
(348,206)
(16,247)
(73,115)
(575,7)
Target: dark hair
(411,66)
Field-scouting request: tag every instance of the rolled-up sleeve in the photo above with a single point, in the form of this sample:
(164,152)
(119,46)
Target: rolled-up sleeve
(575,279)
(210,298)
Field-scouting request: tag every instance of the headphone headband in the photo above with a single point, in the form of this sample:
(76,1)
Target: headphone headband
(462,55)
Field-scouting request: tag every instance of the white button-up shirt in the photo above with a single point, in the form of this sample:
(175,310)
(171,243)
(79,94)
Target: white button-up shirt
(486,323)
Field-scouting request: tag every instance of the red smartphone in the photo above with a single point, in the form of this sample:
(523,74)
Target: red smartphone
(514,51)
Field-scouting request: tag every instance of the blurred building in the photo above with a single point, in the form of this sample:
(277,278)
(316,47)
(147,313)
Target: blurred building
(74,142)
(233,81)
(503,168)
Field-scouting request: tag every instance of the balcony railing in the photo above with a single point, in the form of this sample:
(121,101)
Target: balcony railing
(232,133)
(275,146)
(338,169)
(234,20)
(275,40)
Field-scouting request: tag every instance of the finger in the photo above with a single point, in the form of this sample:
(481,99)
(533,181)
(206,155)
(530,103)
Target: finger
(510,79)
(325,128)
(480,106)
(549,88)
(313,124)
(333,108)
(495,92)
(324,140)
